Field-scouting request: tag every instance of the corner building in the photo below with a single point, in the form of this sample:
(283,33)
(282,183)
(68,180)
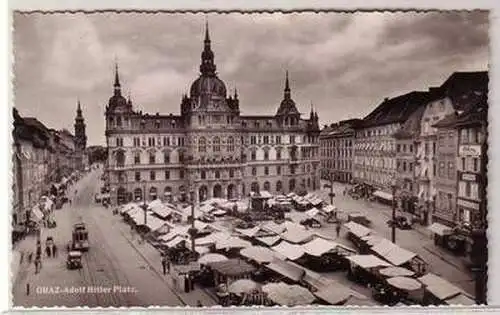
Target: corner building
(210,149)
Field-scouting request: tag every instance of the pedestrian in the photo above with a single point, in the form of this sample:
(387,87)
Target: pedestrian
(186,284)
(30,257)
(54,250)
(337,229)
(47,250)
(168,265)
(164,264)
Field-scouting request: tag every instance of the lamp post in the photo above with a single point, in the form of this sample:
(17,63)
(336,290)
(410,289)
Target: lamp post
(192,230)
(144,205)
(393,225)
(331,194)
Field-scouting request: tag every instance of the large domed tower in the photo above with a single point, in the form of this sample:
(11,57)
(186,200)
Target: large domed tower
(213,125)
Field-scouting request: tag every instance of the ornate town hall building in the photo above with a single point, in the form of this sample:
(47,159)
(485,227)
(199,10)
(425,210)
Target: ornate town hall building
(209,150)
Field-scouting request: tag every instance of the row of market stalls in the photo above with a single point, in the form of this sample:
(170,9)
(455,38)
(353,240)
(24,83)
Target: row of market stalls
(396,274)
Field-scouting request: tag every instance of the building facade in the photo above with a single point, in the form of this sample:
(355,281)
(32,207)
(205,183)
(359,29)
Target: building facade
(80,139)
(375,144)
(336,147)
(39,159)
(210,149)
(408,172)
(456,94)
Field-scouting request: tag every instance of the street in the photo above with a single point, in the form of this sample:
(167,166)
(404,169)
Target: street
(114,273)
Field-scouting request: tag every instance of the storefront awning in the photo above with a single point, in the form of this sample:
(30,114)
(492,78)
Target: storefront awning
(440,229)
(383,195)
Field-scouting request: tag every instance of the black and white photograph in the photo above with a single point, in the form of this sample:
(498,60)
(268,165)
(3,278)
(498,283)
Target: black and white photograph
(200,159)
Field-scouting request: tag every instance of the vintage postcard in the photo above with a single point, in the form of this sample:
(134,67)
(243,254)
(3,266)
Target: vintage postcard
(259,159)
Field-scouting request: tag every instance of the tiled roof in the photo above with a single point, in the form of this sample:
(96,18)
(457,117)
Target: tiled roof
(397,109)
(465,88)
(447,121)
(411,127)
(33,122)
(342,127)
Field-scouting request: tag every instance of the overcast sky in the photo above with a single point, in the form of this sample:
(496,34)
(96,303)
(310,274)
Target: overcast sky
(344,64)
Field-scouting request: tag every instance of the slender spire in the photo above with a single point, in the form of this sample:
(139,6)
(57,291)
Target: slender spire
(287,86)
(78,109)
(207,67)
(117,85)
(207,34)
(235,93)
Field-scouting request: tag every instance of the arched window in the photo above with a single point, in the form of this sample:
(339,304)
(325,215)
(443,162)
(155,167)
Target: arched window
(266,154)
(231,173)
(120,158)
(217,174)
(291,184)
(202,145)
(166,157)
(230,144)
(152,157)
(267,186)
(216,144)
(203,174)
(255,187)
(253,155)
(137,157)
(279,186)
(153,193)
(138,194)
(278,153)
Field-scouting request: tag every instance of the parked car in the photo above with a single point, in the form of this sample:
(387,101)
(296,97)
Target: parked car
(74,260)
(311,223)
(401,222)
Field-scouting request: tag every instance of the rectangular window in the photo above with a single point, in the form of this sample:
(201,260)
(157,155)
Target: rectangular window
(152,175)
(137,158)
(398,148)
(167,174)
(474,191)
(461,189)
(278,170)
(266,170)
(411,148)
(426,148)
(464,166)
(152,158)
(254,171)
(181,174)
(137,176)
(253,140)
(292,139)
(467,189)
(434,148)
(266,139)
(278,139)
(475,162)
(451,170)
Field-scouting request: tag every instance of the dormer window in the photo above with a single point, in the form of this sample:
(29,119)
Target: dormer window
(157,124)
(143,124)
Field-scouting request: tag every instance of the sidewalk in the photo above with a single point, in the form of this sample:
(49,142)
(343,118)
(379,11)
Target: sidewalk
(153,259)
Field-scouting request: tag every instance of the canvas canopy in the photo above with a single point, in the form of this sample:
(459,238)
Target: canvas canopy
(232,267)
(334,293)
(265,194)
(396,272)
(439,287)
(212,238)
(37,214)
(329,208)
(287,269)
(461,299)
(232,242)
(260,254)
(211,258)
(297,235)
(248,232)
(288,295)
(176,240)
(383,195)
(404,283)
(393,253)
(269,240)
(290,251)
(312,212)
(243,286)
(368,261)
(159,208)
(319,246)
(357,229)
(440,229)
(274,227)
(176,231)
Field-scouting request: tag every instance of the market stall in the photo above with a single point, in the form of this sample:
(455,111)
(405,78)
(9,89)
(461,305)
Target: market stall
(288,250)
(260,254)
(333,294)
(356,232)
(230,270)
(399,256)
(439,291)
(363,268)
(283,270)
(288,295)
(325,255)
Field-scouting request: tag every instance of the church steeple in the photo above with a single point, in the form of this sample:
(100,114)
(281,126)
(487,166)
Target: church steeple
(79,110)
(117,86)
(287,87)
(207,67)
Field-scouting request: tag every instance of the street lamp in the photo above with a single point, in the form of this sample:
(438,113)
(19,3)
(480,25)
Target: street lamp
(393,225)
(331,194)
(192,230)
(144,205)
